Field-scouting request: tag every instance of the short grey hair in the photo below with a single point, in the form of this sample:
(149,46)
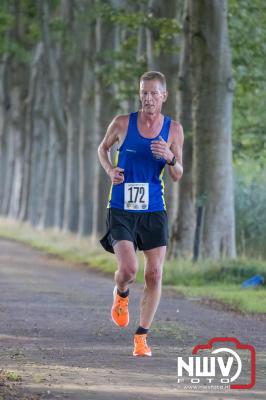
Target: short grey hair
(151,75)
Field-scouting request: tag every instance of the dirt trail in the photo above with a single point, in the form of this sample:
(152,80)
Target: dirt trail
(56,333)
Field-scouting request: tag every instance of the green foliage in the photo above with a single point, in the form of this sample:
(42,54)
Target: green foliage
(58,27)
(116,66)
(166,30)
(19,29)
(247,27)
(126,66)
(250,206)
(6,21)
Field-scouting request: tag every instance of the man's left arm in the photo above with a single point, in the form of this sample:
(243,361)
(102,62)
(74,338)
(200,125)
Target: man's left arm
(171,151)
(175,151)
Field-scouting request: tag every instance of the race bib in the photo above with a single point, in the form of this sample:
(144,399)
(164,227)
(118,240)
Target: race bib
(136,196)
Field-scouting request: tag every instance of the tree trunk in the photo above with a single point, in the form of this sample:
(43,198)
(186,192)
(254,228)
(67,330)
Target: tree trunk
(72,178)
(47,213)
(141,56)
(10,163)
(17,81)
(29,128)
(168,63)
(88,141)
(103,114)
(18,133)
(72,64)
(4,115)
(53,56)
(182,235)
(212,88)
(40,149)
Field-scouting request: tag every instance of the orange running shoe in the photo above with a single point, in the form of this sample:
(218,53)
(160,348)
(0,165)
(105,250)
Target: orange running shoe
(119,311)
(141,347)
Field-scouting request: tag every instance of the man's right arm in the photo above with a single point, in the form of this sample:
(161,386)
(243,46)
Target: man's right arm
(115,133)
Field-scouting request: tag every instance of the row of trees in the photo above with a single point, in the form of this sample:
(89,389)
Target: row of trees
(67,67)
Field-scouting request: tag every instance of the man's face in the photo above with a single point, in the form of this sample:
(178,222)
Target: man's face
(152,96)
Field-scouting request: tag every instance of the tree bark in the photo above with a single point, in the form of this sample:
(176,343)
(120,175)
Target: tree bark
(182,235)
(4,116)
(18,131)
(104,112)
(212,88)
(40,148)
(168,63)
(29,128)
(47,213)
(72,67)
(88,139)
(10,163)
(53,54)
(17,81)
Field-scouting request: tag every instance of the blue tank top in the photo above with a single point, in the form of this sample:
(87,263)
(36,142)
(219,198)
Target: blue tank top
(143,187)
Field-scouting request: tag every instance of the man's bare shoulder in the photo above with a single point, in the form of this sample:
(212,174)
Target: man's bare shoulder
(176,131)
(120,122)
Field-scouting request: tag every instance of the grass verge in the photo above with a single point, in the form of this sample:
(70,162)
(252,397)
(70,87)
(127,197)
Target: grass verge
(212,281)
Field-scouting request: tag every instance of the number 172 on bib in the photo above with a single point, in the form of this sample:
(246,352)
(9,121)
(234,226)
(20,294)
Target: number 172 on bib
(136,196)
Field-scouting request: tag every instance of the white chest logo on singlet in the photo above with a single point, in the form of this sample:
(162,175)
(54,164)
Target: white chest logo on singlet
(136,196)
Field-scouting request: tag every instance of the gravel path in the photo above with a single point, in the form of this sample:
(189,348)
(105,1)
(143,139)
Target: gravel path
(56,333)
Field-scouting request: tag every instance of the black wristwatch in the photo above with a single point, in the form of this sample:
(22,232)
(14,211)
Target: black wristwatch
(173,162)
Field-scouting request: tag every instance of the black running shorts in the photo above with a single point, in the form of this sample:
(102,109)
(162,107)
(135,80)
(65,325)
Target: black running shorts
(146,230)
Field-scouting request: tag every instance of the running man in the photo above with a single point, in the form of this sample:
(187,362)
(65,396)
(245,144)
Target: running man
(147,141)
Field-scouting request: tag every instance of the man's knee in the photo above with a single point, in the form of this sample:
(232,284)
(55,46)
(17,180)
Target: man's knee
(153,276)
(128,271)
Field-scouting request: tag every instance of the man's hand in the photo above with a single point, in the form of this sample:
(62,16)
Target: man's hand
(117,175)
(160,148)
